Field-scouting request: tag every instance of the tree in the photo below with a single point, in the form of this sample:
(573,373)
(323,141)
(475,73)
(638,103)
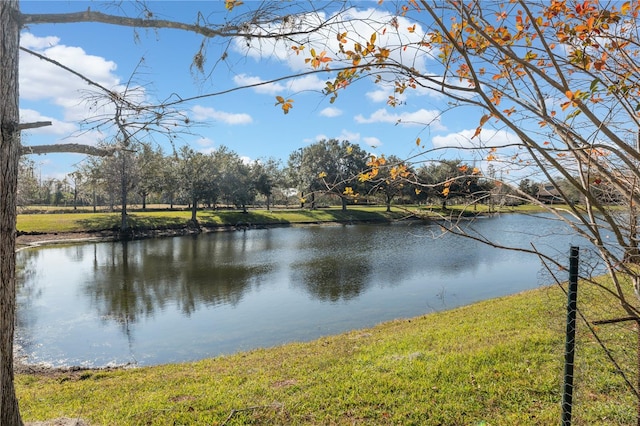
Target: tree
(329,166)
(28,185)
(560,77)
(390,179)
(266,175)
(448,179)
(149,165)
(196,177)
(235,178)
(528,187)
(76,178)
(128,117)
(170,179)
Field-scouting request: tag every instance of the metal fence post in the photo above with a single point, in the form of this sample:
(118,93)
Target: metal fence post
(572,297)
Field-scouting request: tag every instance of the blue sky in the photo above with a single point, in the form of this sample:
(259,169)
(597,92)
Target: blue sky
(246,121)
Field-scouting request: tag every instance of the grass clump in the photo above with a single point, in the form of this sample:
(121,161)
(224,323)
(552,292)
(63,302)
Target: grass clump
(498,362)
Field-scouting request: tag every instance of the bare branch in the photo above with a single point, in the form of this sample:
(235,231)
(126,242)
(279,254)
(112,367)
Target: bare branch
(66,148)
(33,125)
(206,31)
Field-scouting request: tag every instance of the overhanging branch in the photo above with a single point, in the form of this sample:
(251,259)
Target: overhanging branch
(66,148)
(34,125)
(228,30)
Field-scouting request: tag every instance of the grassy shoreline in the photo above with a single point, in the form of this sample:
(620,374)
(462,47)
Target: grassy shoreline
(164,219)
(497,362)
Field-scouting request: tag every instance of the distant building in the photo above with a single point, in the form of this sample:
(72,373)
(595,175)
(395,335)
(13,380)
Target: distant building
(548,194)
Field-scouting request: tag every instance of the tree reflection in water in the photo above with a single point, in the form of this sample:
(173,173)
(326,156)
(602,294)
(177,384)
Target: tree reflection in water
(184,298)
(127,285)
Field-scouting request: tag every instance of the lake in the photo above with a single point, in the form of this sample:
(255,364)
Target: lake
(185,298)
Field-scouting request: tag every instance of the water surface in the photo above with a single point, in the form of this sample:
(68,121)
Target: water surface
(186,298)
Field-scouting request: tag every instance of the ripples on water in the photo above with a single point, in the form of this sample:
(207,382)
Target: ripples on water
(186,298)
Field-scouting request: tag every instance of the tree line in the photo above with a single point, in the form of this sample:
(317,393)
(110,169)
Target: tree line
(322,173)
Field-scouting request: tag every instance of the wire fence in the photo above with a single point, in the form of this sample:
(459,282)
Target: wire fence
(602,350)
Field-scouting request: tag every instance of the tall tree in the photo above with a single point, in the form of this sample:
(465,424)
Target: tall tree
(9,159)
(234,178)
(388,176)
(197,180)
(329,166)
(560,78)
(28,182)
(266,176)
(447,179)
(148,161)
(131,118)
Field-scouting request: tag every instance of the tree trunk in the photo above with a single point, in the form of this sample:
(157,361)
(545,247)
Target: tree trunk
(344,204)
(124,224)
(194,211)
(9,158)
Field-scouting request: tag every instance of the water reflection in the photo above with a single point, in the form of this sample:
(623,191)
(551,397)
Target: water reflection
(183,298)
(130,280)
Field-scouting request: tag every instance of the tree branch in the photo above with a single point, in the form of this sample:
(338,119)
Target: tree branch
(66,148)
(33,125)
(243,30)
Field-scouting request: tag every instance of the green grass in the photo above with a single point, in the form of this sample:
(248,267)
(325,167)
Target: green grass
(91,222)
(498,362)
(153,219)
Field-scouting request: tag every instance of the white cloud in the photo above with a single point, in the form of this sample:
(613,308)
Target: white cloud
(204,142)
(43,81)
(331,112)
(204,113)
(262,87)
(422,117)
(29,41)
(379,95)
(295,85)
(372,141)
(488,138)
(358,24)
(308,82)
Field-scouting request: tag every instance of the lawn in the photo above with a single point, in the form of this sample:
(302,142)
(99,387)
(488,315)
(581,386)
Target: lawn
(498,362)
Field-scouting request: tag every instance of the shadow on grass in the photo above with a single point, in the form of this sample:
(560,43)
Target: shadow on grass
(214,218)
(100,223)
(113,222)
